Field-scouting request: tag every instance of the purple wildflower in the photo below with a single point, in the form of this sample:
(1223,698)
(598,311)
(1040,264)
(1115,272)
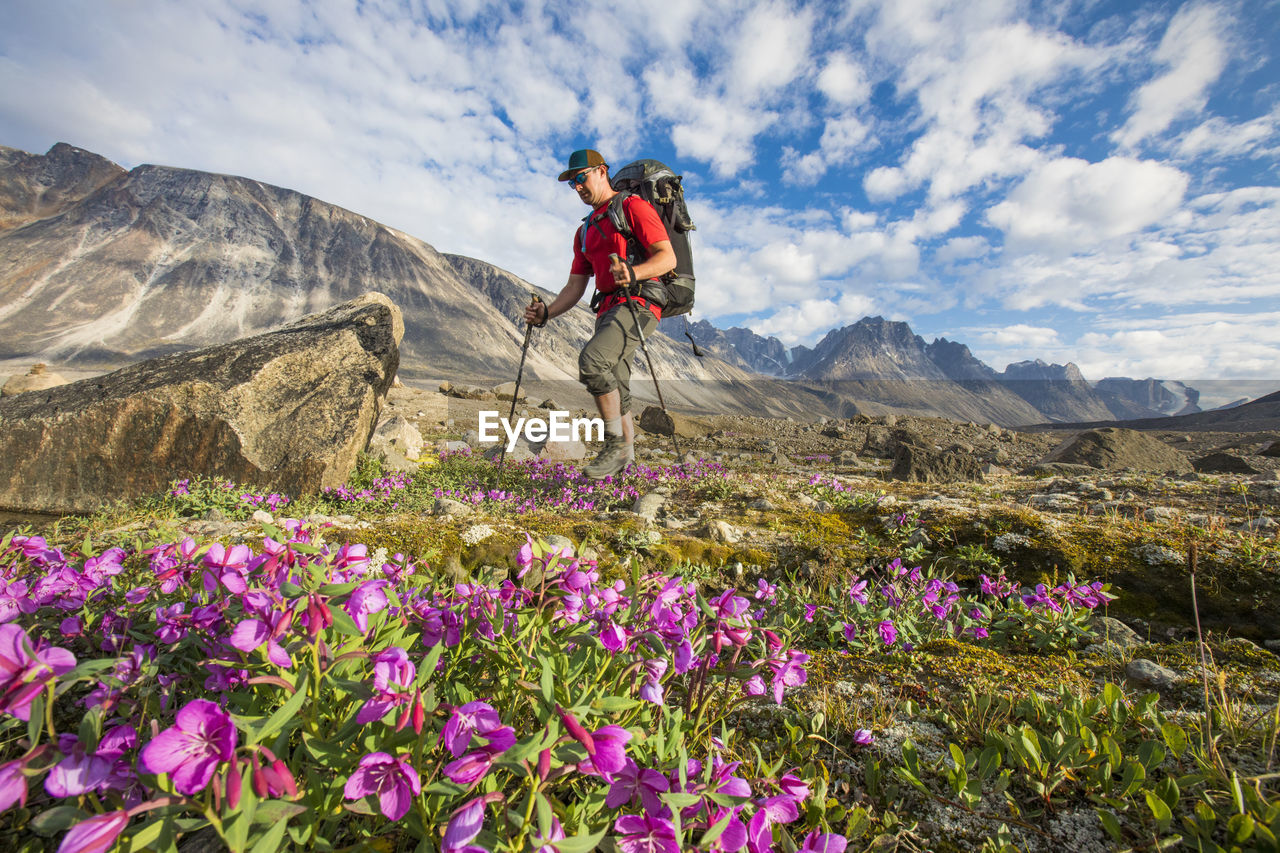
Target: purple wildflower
(25,668)
(888,633)
(646,834)
(202,737)
(94,835)
(393,779)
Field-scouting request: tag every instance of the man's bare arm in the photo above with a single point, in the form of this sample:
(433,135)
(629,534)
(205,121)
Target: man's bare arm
(568,297)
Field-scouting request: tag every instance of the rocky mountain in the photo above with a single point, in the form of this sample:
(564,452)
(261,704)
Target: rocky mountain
(884,361)
(743,347)
(1146,398)
(1058,390)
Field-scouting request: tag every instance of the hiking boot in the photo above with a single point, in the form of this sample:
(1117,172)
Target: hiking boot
(611,459)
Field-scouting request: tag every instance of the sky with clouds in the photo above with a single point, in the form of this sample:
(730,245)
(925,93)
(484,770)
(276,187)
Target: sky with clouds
(1092,181)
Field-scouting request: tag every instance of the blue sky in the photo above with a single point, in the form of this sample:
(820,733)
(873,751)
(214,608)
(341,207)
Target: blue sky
(1095,182)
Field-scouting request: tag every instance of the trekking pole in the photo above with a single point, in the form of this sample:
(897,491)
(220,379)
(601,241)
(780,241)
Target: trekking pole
(635,317)
(515,396)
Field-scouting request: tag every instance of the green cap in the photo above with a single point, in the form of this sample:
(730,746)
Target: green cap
(583,158)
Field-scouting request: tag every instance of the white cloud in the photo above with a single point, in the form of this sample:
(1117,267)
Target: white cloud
(1222,138)
(1194,52)
(1021,335)
(962,249)
(841,139)
(843,81)
(1072,204)
(803,320)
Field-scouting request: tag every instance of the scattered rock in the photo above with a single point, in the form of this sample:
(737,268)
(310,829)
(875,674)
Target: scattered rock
(648,505)
(1272,450)
(564,451)
(762,504)
(560,543)
(506,392)
(1159,555)
(1150,673)
(450,507)
(1262,524)
(722,531)
(288,410)
(477,533)
(1161,513)
(36,379)
(1109,629)
(550,405)
(398,434)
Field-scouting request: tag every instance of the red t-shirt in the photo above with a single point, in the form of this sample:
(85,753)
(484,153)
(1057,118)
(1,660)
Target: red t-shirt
(645,225)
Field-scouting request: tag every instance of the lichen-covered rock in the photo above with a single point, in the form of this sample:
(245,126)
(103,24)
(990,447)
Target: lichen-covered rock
(1150,673)
(916,464)
(287,410)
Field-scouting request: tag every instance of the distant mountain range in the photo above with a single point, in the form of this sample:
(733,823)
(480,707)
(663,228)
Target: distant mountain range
(875,350)
(100,267)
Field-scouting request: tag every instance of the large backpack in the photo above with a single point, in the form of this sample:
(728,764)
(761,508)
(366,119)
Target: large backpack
(658,185)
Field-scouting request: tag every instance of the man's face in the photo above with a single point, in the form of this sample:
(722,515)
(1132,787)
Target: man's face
(591,185)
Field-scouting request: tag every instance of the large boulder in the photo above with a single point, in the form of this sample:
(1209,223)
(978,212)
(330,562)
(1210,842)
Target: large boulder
(1114,449)
(38,378)
(916,464)
(287,410)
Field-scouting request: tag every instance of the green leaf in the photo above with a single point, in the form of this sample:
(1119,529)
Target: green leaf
(343,623)
(957,756)
(615,704)
(1175,738)
(272,838)
(1159,810)
(149,835)
(35,722)
(277,811)
(285,713)
(336,589)
(56,819)
(545,813)
(679,800)
(581,843)
(715,831)
(1150,753)
(291,590)
(1111,824)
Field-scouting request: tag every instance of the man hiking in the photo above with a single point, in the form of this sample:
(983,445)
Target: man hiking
(604,366)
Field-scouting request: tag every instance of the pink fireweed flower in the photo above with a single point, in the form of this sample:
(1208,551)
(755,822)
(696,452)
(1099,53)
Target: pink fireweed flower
(96,834)
(816,842)
(651,690)
(610,754)
(201,738)
(765,591)
(646,835)
(26,668)
(779,809)
(393,779)
(472,718)
(850,632)
(464,825)
(888,633)
(809,611)
(863,737)
(228,565)
(368,598)
(632,781)
(788,673)
(393,674)
(858,592)
(13,785)
(471,767)
(252,633)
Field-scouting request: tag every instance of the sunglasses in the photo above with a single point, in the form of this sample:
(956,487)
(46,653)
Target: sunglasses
(580,178)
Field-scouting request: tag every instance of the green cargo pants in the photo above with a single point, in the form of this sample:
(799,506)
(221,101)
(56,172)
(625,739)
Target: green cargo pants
(605,362)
